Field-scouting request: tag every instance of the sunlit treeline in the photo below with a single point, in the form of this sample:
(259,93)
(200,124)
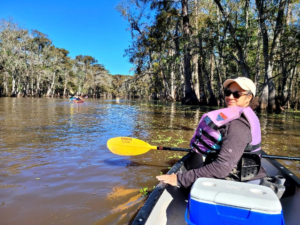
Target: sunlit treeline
(31,65)
(189,47)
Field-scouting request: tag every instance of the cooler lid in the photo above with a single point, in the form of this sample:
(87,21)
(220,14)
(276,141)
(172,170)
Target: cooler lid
(237,194)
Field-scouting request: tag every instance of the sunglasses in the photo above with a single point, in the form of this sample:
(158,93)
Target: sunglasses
(236,94)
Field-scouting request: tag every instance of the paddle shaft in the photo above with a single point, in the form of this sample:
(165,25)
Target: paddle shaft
(173,149)
(263,156)
(280,157)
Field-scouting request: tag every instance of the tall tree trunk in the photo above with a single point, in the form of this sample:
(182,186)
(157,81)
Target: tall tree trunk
(296,95)
(173,87)
(18,85)
(212,98)
(269,52)
(195,75)
(212,69)
(181,69)
(5,84)
(246,28)
(51,89)
(220,65)
(257,61)
(219,82)
(26,84)
(264,95)
(32,84)
(38,83)
(189,97)
(203,98)
(284,86)
(166,86)
(195,56)
(290,81)
(13,86)
(66,80)
(172,74)
(178,66)
(286,76)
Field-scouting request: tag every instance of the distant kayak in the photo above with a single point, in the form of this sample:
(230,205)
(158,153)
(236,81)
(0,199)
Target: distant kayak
(78,100)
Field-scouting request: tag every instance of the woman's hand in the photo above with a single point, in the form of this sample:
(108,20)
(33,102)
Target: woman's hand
(168,179)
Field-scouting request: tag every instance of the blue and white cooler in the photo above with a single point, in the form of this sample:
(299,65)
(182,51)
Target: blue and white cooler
(214,201)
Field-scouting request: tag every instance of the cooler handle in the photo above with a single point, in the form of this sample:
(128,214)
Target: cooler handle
(186,216)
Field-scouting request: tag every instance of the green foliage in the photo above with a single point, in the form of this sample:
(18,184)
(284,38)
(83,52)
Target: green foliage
(162,139)
(144,191)
(224,40)
(175,156)
(31,58)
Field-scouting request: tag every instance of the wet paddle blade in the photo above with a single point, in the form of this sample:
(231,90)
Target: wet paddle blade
(128,146)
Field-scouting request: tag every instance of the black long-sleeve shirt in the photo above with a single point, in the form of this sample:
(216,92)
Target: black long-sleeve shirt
(236,135)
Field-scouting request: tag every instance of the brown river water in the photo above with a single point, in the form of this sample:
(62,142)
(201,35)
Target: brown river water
(55,167)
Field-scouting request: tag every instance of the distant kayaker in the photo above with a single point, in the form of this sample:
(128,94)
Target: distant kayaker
(232,149)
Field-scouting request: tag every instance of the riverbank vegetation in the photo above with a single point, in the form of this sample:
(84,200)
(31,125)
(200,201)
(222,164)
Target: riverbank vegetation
(31,65)
(188,48)
(181,51)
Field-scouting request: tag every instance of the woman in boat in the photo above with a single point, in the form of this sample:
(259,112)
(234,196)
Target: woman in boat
(235,136)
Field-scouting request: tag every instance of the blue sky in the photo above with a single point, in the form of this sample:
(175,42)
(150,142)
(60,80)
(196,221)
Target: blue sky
(83,27)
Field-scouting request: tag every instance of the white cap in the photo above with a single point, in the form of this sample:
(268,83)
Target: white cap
(244,82)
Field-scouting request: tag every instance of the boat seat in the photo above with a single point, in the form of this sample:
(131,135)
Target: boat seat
(275,183)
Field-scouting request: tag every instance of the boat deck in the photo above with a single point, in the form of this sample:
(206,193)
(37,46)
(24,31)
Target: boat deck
(167,204)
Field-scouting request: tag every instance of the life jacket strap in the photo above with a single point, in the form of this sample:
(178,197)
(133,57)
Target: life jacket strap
(210,123)
(206,145)
(259,153)
(250,148)
(211,138)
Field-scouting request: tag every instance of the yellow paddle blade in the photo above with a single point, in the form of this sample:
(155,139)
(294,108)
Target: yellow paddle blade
(128,146)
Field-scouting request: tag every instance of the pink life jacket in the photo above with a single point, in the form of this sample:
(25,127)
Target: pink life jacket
(207,138)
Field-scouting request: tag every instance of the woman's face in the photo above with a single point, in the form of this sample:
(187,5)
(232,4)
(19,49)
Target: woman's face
(242,101)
